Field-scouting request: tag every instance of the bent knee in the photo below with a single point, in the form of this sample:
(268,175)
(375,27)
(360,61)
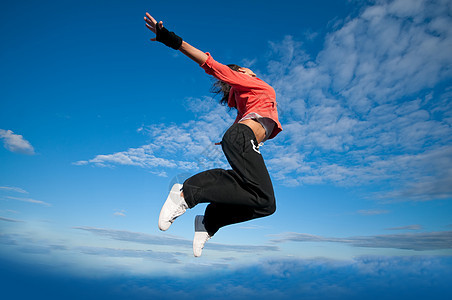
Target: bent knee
(272,209)
(269,206)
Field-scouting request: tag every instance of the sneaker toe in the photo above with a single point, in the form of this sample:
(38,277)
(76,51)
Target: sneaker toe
(164,225)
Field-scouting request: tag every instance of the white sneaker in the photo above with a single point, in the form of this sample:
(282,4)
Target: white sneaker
(201,236)
(174,207)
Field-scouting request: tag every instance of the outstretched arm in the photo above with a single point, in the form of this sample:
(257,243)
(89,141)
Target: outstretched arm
(193,53)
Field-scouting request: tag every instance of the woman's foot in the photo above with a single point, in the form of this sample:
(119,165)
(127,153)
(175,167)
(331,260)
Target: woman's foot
(174,207)
(201,236)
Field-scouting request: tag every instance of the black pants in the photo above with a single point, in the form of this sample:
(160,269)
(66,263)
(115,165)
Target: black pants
(236,195)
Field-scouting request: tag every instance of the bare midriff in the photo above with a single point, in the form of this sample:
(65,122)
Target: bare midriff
(256,127)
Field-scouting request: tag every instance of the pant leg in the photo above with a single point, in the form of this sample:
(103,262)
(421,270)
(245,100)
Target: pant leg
(218,215)
(241,150)
(236,195)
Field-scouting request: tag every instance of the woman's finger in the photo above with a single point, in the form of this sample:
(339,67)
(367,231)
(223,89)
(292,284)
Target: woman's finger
(149,22)
(150,27)
(151,18)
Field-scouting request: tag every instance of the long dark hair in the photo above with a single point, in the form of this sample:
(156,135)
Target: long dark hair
(222,88)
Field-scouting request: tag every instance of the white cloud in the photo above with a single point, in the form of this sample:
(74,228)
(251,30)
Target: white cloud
(21,199)
(141,157)
(10,220)
(408,227)
(28,200)
(148,239)
(167,257)
(187,146)
(389,51)
(16,143)
(373,212)
(13,189)
(120,213)
(421,241)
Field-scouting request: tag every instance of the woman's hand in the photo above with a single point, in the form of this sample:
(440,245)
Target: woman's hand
(151,23)
(197,55)
(162,35)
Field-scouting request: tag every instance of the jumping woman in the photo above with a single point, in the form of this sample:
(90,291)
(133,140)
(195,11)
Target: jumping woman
(246,191)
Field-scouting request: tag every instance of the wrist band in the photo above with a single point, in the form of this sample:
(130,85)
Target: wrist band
(168,38)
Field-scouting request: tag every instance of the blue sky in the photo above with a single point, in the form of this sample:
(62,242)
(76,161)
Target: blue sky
(97,122)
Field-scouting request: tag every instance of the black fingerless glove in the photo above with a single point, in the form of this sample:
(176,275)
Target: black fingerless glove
(168,38)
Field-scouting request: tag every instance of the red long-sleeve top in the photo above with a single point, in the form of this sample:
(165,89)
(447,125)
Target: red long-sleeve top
(248,94)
